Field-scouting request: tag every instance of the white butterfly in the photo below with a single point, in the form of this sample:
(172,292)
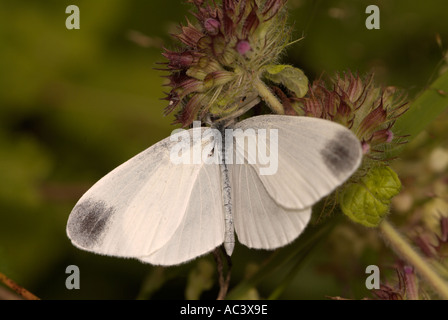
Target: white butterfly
(164,213)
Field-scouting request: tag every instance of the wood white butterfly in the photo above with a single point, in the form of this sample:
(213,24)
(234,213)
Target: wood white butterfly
(163,213)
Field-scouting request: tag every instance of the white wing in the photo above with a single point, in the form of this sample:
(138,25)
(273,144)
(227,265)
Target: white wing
(149,205)
(260,222)
(314,157)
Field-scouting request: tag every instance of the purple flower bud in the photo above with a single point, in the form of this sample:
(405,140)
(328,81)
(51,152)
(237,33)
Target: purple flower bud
(243,47)
(374,119)
(272,7)
(179,60)
(212,26)
(365,147)
(381,136)
(190,36)
(425,246)
(410,281)
(390,136)
(408,270)
(198,2)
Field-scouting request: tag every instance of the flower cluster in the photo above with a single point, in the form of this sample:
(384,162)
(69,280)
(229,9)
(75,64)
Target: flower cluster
(435,245)
(369,111)
(405,287)
(212,73)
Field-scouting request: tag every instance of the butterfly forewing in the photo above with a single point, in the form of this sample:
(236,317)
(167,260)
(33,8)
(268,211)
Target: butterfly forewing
(314,157)
(142,206)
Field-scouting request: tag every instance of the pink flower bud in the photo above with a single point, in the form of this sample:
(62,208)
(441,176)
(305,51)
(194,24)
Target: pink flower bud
(243,47)
(365,147)
(212,26)
(382,136)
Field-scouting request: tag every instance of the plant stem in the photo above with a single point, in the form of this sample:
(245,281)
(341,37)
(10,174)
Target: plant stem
(405,251)
(268,97)
(14,286)
(224,282)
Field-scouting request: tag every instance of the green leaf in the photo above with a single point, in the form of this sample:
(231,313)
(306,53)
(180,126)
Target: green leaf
(292,78)
(368,202)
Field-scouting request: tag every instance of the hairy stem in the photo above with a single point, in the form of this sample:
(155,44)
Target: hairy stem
(403,249)
(268,97)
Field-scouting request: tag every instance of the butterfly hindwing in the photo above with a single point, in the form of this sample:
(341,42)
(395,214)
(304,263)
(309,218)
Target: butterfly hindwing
(202,228)
(259,221)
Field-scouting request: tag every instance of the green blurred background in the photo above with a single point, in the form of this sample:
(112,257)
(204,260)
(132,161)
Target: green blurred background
(74,104)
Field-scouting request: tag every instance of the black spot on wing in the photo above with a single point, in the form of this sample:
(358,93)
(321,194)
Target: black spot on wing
(342,153)
(88,222)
